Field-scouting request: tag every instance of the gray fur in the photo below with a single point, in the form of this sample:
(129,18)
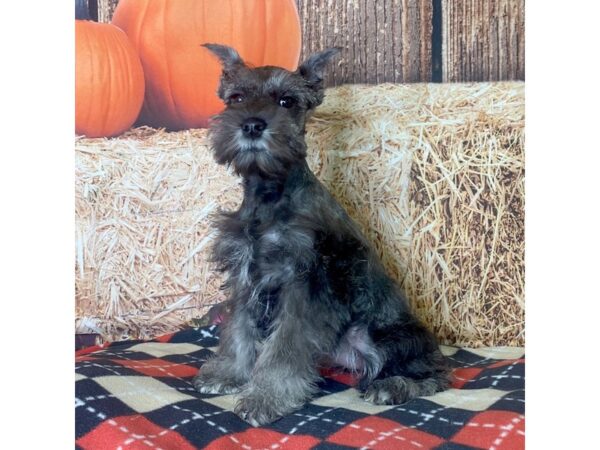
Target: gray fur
(304,284)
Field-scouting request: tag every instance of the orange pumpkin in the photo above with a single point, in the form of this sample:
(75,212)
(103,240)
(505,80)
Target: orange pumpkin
(109,80)
(181,76)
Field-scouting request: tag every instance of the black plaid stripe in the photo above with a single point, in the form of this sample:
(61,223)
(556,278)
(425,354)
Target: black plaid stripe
(429,416)
(108,387)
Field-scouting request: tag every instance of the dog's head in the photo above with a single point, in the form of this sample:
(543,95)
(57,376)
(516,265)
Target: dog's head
(261,131)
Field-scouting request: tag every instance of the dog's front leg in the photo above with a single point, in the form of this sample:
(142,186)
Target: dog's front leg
(227,372)
(285,374)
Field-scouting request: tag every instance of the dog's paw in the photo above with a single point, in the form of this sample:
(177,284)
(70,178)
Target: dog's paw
(256,410)
(211,380)
(387,392)
(206,385)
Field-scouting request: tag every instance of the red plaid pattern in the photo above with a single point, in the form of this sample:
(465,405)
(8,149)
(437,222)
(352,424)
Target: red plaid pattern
(262,438)
(494,430)
(133,432)
(158,367)
(379,433)
(139,395)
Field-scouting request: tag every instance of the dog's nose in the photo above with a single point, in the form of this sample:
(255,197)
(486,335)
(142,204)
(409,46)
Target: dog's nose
(253,127)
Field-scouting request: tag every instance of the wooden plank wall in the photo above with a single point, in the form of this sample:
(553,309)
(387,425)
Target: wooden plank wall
(406,41)
(483,40)
(385,40)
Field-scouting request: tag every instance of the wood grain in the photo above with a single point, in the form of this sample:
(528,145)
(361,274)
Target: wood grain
(381,40)
(106,8)
(391,40)
(483,40)
(86,10)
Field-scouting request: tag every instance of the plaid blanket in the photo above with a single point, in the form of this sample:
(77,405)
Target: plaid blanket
(139,395)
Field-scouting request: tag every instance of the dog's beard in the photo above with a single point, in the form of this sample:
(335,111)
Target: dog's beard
(271,155)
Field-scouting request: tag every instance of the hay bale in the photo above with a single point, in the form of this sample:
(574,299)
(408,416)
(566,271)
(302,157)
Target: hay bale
(433,174)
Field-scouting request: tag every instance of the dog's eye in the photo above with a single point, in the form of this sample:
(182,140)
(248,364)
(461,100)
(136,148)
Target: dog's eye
(287,102)
(236,98)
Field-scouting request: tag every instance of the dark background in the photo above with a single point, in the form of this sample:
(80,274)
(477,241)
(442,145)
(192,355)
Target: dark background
(405,41)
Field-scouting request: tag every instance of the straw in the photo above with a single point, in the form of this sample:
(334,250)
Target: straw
(432,173)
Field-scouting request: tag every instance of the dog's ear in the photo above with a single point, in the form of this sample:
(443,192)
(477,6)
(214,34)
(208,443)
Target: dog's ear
(312,70)
(231,62)
(230,59)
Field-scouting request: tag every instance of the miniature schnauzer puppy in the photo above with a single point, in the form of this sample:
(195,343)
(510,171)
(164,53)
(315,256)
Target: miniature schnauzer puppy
(305,287)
